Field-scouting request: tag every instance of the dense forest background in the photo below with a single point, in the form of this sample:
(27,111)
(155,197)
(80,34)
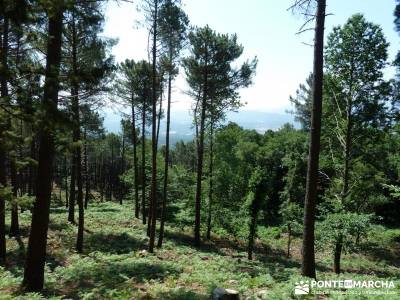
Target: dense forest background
(86,213)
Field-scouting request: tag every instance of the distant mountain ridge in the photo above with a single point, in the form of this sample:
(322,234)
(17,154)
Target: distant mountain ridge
(182,128)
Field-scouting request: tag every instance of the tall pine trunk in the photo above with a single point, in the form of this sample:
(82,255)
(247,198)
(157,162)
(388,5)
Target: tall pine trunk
(36,254)
(86,167)
(3,128)
(337,254)
(72,193)
(200,154)
(153,136)
(308,251)
(14,228)
(166,166)
(77,136)
(66,180)
(135,159)
(210,180)
(144,161)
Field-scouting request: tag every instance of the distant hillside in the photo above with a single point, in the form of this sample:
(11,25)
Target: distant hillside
(182,129)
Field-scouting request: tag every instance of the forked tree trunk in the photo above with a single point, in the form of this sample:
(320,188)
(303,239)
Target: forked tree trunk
(36,253)
(308,251)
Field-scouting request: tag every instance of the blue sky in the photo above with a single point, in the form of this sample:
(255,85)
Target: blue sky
(265,28)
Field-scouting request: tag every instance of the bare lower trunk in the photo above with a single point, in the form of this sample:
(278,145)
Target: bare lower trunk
(77,137)
(200,152)
(144,162)
(3,129)
(337,254)
(154,138)
(36,253)
(166,166)
(3,182)
(135,161)
(72,193)
(308,252)
(289,240)
(86,167)
(14,229)
(66,181)
(210,179)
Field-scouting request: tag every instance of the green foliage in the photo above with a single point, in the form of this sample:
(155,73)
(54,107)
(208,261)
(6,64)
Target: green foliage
(115,266)
(351,226)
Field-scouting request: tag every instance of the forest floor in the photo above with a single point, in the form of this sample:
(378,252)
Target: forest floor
(116,264)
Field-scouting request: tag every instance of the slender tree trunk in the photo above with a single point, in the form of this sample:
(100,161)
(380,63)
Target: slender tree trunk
(36,254)
(144,161)
(210,178)
(111,174)
(200,154)
(289,239)
(121,192)
(154,137)
(166,166)
(3,128)
(66,180)
(72,193)
(159,116)
(32,169)
(308,252)
(253,225)
(15,179)
(347,152)
(135,160)
(337,254)
(102,174)
(14,229)
(87,177)
(77,137)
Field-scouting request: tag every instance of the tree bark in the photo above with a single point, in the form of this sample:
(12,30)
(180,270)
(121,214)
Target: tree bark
(289,227)
(253,225)
(210,180)
(72,193)
(337,254)
(154,137)
(3,178)
(66,181)
(144,161)
(86,167)
(36,254)
(308,252)
(120,188)
(135,160)
(14,228)
(200,152)
(166,166)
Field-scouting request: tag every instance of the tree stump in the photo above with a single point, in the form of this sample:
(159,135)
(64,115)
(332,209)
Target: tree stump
(225,294)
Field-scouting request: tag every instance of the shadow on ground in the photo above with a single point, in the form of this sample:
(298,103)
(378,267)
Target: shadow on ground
(112,243)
